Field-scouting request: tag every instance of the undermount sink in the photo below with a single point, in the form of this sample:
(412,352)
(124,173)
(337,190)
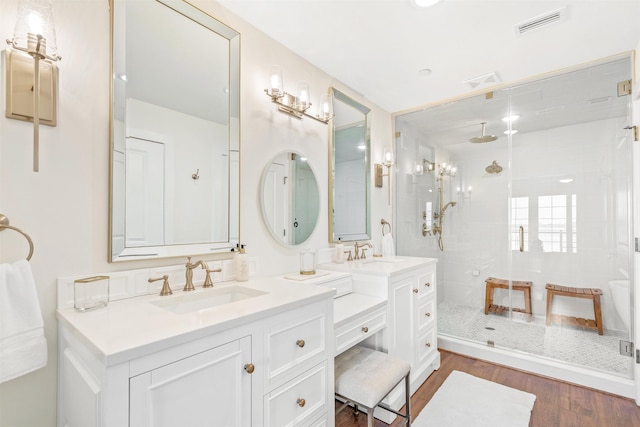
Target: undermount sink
(206,299)
(381,261)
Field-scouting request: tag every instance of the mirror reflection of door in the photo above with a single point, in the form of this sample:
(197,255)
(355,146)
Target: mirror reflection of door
(144,192)
(290,198)
(275,196)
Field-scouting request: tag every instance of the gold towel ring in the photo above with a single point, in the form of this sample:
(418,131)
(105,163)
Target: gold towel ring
(4,223)
(384,222)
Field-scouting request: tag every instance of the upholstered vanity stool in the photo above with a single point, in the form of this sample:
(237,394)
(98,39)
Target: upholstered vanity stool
(365,377)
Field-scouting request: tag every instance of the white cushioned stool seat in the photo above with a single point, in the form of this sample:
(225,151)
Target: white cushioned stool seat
(364,377)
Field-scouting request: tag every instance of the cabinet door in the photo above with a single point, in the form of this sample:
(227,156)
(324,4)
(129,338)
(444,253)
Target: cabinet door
(400,320)
(211,388)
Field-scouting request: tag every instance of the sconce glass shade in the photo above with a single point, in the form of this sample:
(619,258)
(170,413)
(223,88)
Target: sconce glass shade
(325,108)
(388,156)
(35,18)
(276,86)
(304,100)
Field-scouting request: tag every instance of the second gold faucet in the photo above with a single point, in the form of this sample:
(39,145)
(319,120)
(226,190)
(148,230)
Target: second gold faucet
(188,286)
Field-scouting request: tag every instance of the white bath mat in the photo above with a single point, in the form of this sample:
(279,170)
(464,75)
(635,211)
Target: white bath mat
(465,400)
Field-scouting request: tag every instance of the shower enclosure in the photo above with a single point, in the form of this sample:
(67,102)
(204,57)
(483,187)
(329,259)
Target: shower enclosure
(530,182)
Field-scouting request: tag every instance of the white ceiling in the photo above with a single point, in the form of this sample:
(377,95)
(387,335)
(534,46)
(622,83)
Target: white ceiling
(377,47)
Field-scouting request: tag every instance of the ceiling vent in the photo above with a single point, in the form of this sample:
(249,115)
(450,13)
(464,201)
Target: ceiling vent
(484,80)
(541,21)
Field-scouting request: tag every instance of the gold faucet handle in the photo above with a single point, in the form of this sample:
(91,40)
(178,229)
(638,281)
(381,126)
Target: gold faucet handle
(363,255)
(166,289)
(350,257)
(207,281)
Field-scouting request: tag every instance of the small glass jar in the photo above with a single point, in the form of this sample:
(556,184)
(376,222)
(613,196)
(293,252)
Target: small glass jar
(91,293)
(307,262)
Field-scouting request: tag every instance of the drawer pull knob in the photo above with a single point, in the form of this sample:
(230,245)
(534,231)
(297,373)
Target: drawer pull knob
(249,367)
(428,314)
(415,291)
(428,344)
(365,329)
(428,284)
(301,403)
(300,343)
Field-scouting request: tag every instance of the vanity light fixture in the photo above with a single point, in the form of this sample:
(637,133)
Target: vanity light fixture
(296,106)
(387,162)
(33,42)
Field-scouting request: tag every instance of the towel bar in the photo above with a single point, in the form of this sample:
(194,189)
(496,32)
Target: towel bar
(4,223)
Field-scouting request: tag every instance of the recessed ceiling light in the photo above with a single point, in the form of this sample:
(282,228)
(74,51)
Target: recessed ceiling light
(425,3)
(425,72)
(511,118)
(362,147)
(566,180)
(510,132)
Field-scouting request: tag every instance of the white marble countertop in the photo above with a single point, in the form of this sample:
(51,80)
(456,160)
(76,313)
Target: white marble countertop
(136,327)
(382,266)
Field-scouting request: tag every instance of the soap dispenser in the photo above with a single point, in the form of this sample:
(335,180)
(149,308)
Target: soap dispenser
(339,258)
(242,264)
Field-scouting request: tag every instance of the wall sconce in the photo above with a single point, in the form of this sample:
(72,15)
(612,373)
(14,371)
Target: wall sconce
(387,162)
(296,106)
(445,169)
(32,89)
(425,165)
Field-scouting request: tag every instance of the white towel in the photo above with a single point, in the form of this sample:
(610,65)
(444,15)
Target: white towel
(23,346)
(387,245)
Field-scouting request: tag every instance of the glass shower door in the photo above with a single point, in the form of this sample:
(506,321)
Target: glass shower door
(569,216)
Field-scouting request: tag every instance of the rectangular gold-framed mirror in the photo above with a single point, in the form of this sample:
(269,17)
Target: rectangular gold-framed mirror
(175,120)
(349,169)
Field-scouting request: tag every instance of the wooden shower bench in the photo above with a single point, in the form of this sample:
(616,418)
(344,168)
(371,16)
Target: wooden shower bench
(493,283)
(566,291)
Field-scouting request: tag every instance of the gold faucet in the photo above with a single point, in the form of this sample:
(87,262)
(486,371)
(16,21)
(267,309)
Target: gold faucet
(361,246)
(188,286)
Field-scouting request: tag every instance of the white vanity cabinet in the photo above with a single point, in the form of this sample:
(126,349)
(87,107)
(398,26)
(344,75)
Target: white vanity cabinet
(408,284)
(266,367)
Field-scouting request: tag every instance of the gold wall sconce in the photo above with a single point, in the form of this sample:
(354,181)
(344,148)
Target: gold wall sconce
(32,76)
(379,174)
(297,106)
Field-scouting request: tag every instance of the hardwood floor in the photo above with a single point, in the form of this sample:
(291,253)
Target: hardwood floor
(558,404)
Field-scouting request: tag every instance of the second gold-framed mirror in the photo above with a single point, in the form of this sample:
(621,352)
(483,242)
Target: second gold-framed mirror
(349,169)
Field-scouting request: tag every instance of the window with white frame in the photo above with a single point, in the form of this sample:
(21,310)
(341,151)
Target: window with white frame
(557,223)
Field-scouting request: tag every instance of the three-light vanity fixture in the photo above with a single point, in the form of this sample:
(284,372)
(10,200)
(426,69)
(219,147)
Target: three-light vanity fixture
(31,71)
(295,105)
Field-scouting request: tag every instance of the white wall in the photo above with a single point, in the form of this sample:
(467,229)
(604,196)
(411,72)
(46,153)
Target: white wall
(64,206)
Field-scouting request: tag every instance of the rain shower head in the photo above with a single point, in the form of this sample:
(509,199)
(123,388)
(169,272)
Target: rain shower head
(493,168)
(483,137)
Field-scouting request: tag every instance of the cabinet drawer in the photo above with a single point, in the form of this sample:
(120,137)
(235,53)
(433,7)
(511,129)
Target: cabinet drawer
(426,345)
(359,329)
(343,286)
(294,347)
(426,314)
(426,284)
(298,402)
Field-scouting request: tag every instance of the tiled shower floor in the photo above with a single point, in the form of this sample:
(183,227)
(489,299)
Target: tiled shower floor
(568,344)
